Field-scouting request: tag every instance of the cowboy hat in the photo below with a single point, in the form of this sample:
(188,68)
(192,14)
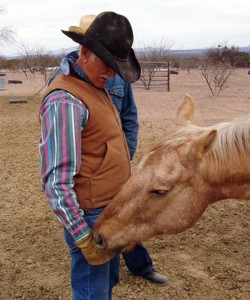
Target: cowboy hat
(84,24)
(110,37)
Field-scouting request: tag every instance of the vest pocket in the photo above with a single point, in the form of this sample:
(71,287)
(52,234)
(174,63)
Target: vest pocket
(112,173)
(83,191)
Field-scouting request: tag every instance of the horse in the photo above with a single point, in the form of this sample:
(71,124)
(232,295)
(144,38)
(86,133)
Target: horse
(176,179)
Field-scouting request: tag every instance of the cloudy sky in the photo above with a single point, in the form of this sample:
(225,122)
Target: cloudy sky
(186,24)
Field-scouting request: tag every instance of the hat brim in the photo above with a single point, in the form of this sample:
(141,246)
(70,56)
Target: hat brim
(129,68)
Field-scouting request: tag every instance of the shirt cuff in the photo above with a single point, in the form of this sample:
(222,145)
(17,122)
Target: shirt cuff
(79,230)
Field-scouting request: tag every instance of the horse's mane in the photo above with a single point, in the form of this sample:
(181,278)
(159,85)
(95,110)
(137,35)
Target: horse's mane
(232,143)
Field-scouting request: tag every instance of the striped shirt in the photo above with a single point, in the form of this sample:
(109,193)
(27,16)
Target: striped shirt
(63,118)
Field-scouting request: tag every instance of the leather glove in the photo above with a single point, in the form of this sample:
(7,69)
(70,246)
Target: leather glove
(92,254)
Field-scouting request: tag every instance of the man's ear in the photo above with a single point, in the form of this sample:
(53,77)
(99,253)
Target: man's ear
(84,54)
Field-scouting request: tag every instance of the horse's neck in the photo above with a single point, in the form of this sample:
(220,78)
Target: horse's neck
(227,166)
(230,190)
(229,178)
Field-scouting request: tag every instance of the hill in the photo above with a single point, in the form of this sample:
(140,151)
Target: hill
(174,52)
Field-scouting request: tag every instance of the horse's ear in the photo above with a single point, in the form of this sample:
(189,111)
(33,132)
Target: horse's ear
(202,144)
(185,111)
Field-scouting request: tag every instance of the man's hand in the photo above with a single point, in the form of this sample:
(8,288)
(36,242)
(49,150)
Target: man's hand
(92,254)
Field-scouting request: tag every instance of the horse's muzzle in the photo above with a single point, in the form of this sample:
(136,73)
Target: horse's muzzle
(100,241)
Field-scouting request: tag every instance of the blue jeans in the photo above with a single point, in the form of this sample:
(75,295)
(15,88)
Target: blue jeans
(91,282)
(138,260)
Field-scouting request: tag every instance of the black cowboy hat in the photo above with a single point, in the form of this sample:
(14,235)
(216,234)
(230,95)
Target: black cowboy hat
(110,37)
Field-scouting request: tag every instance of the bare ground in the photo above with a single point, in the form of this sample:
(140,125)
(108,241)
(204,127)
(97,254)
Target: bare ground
(210,261)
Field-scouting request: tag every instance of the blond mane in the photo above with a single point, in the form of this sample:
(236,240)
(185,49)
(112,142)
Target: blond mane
(231,147)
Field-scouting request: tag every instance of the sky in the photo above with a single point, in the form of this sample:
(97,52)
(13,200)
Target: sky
(185,24)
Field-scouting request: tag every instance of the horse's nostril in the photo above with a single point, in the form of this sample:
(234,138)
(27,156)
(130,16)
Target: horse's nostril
(100,241)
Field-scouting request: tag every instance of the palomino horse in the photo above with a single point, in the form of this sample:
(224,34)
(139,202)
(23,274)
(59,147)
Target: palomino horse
(176,179)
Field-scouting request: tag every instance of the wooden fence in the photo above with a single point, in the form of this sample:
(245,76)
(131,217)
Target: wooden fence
(154,75)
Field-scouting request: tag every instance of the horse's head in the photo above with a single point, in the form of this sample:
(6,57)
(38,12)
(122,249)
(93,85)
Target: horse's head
(163,193)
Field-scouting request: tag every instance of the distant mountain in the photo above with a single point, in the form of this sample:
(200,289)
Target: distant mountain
(245,49)
(200,52)
(12,56)
(197,53)
(177,53)
(64,51)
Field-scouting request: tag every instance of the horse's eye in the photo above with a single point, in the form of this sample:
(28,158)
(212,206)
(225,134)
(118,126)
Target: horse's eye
(158,193)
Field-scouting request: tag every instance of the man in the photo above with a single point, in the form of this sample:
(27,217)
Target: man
(84,155)
(137,260)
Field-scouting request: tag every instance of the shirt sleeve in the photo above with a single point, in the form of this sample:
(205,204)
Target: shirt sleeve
(62,118)
(129,119)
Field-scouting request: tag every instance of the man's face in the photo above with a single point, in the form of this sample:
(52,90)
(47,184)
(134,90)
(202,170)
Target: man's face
(94,67)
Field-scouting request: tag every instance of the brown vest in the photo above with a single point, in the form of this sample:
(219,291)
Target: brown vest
(105,164)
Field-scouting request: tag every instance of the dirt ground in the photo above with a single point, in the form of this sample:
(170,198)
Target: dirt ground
(210,261)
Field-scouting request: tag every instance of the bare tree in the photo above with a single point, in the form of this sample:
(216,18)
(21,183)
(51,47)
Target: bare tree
(218,67)
(6,33)
(216,75)
(156,51)
(152,58)
(148,71)
(189,63)
(232,55)
(34,60)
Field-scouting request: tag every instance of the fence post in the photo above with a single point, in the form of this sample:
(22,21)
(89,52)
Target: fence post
(168,83)
(2,82)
